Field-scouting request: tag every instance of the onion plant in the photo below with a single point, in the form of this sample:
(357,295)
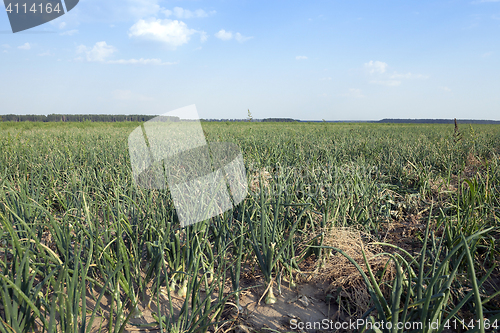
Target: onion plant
(272,237)
(238,239)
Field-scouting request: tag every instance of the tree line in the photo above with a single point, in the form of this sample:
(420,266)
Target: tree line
(437,121)
(79,118)
(143,118)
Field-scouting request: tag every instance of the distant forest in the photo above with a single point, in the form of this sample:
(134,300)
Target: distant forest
(142,118)
(437,121)
(78,118)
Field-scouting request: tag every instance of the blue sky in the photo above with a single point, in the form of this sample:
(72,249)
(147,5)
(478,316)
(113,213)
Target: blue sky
(311,60)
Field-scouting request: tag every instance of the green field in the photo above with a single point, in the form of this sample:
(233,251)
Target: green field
(83,249)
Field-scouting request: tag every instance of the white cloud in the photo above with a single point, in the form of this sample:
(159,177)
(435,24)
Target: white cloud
(240,38)
(300,57)
(379,70)
(6,46)
(376,66)
(102,51)
(224,35)
(25,46)
(445,89)
(487,55)
(325,79)
(186,13)
(228,35)
(69,32)
(202,13)
(174,33)
(62,25)
(408,76)
(45,54)
(356,93)
(127,95)
(141,61)
(98,53)
(390,83)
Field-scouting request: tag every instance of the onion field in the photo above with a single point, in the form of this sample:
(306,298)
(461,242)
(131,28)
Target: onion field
(399,222)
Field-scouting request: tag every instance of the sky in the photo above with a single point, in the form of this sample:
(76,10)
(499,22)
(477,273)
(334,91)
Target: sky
(309,60)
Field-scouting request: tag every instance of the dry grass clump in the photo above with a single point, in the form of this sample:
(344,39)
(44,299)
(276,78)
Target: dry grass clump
(439,186)
(347,284)
(257,176)
(473,165)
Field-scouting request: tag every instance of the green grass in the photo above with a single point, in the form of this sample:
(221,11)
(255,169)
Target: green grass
(72,223)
